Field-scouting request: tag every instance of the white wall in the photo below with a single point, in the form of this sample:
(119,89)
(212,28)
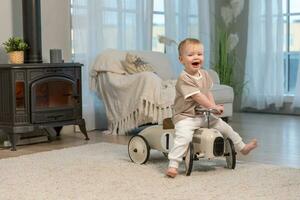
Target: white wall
(55,21)
(56,24)
(6,25)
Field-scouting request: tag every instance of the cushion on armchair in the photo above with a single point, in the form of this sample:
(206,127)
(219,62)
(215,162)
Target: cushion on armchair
(135,64)
(160,62)
(109,61)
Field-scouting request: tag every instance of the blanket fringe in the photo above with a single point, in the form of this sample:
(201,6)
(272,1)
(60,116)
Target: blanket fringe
(147,112)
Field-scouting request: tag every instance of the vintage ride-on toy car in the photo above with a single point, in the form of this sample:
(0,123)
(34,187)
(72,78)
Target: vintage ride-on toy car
(207,143)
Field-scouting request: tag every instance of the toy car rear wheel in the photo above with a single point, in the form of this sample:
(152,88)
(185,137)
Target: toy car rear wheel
(138,149)
(189,158)
(230,154)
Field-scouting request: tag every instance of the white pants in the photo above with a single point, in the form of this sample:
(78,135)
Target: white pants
(184,135)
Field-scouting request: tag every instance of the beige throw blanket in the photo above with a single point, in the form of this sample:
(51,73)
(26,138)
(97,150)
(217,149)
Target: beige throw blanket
(133,100)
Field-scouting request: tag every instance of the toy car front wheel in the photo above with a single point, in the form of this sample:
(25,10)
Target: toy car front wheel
(230,154)
(189,158)
(138,149)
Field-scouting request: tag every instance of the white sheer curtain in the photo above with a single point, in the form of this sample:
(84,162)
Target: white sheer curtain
(264,72)
(189,18)
(296,101)
(102,24)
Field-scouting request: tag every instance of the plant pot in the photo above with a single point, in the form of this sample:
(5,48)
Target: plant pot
(16,57)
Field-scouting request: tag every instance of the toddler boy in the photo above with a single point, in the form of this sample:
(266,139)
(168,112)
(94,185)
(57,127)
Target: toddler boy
(193,89)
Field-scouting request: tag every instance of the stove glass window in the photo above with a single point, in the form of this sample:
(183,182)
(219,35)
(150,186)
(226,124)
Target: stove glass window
(54,94)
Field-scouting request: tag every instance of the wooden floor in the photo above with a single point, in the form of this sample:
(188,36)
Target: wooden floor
(278,137)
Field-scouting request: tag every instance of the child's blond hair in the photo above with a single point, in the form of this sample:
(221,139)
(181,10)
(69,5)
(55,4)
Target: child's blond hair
(187,41)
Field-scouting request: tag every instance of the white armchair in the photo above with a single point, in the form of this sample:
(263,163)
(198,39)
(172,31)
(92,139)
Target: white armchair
(223,94)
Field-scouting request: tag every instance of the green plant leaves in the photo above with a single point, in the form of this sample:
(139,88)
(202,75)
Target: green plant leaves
(226,62)
(15,44)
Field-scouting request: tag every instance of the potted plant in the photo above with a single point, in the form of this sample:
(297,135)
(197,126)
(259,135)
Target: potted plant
(15,48)
(227,62)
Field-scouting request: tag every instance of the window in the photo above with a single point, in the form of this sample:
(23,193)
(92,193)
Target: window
(118,18)
(82,12)
(291,12)
(186,12)
(113,13)
(158,25)
(115,10)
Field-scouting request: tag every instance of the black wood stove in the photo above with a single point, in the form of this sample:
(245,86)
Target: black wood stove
(35,94)
(40,95)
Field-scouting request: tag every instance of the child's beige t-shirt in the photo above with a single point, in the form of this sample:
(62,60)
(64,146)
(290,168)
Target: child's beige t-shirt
(186,86)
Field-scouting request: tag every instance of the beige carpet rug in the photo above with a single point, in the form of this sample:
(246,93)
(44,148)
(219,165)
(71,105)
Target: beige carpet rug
(104,171)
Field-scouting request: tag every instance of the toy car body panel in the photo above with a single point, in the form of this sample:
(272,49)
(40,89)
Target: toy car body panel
(204,141)
(159,138)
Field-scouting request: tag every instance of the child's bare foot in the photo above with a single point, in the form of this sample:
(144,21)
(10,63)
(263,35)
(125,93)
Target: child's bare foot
(249,147)
(171,172)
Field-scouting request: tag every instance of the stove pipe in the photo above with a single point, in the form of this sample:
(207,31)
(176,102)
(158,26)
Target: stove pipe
(32,30)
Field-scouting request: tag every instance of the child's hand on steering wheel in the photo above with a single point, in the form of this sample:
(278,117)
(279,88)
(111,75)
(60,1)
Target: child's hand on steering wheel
(219,108)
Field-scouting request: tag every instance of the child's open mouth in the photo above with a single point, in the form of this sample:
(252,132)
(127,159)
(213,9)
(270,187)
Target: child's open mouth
(195,64)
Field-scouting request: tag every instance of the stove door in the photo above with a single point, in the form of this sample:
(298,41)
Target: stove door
(53,99)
